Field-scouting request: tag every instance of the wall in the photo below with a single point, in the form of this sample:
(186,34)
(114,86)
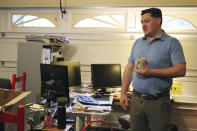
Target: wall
(101,46)
(8,58)
(90,3)
(98,46)
(88,52)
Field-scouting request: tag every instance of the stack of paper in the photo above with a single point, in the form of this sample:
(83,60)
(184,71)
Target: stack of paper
(91,108)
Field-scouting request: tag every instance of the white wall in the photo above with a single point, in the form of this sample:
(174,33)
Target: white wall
(94,52)
(96,47)
(8,58)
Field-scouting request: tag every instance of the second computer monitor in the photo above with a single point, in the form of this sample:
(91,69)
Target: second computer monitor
(74,73)
(105,76)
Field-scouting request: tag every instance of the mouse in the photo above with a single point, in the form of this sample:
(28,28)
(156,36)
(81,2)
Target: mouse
(97,96)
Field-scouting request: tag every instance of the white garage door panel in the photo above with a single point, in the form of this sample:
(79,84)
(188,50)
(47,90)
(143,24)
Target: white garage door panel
(8,52)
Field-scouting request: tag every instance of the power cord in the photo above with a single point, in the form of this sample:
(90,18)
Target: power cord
(62,11)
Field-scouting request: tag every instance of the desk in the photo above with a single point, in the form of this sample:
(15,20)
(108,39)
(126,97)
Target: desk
(81,117)
(68,126)
(53,129)
(184,115)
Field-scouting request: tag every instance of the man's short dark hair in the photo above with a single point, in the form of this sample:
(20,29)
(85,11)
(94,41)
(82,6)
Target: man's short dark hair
(155,13)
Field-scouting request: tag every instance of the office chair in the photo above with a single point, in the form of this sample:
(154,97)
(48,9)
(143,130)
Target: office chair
(5,83)
(21,78)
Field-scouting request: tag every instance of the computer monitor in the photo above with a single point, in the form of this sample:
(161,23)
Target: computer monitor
(54,82)
(105,76)
(74,73)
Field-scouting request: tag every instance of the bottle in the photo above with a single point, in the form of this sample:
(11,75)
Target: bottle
(61,114)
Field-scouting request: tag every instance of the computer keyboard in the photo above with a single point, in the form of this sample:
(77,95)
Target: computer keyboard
(87,100)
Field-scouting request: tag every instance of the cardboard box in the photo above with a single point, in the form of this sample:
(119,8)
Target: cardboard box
(10,97)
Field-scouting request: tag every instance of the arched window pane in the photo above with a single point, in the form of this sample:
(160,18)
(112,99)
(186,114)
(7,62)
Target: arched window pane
(15,18)
(119,18)
(169,23)
(106,21)
(92,23)
(106,18)
(42,22)
(27,18)
(31,21)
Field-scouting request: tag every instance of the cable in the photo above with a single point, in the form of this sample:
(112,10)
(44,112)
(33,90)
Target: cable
(61,10)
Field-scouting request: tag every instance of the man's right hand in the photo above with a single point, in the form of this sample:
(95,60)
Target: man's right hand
(124,101)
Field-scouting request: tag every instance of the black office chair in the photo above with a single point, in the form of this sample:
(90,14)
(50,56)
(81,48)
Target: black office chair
(125,123)
(5,84)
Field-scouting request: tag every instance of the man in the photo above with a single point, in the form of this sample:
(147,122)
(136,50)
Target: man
(164,60)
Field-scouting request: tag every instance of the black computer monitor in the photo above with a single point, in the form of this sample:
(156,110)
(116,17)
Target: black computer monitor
(54,82)
(74,72)
(105,76)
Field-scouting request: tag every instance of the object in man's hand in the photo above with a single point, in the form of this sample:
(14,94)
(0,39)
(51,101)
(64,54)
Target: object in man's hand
(139,64)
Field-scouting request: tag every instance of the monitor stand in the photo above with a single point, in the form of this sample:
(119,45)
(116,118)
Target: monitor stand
(102,95)
(103,91)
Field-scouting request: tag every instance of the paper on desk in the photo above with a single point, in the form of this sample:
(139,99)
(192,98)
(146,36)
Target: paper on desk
(35,107)
(104,108)
(100,102)
(104,102)
(74,94)
(90,108)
